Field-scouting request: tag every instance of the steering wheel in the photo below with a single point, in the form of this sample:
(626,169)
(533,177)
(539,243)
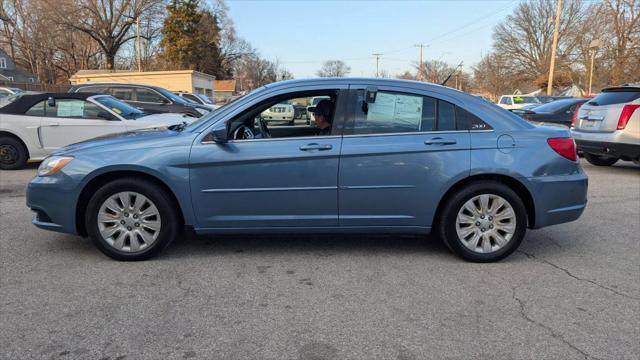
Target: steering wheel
(262,126)
(243,132)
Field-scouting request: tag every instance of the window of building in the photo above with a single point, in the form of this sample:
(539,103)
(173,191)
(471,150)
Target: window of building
(3,63)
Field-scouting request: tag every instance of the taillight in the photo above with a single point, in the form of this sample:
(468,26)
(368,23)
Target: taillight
(575,116)
(625,116)
(565,147)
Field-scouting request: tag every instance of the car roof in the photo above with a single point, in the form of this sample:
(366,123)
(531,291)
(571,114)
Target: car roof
(626,87)
(26,101)
(89,84)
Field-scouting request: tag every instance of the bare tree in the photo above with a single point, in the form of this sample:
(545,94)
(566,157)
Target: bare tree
(334,68)
(108,22)
(624,16)
(525,37)
(434,71)
(254,72)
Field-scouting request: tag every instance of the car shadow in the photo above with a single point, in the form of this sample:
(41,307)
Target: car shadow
(190,245)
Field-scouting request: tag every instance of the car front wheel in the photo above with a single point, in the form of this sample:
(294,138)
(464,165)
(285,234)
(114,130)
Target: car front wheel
(483,222)
(131,219)
(600,160)
(13,154)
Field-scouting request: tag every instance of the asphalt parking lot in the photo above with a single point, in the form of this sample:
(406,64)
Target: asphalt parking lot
(572,291)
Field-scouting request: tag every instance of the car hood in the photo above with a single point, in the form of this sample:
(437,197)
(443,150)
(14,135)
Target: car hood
(166,119)
(130,139)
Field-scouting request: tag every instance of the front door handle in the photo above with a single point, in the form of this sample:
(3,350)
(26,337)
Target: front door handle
(314,146)
(53,124)
(439,141)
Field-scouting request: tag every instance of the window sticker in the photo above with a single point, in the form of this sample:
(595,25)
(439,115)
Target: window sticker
(70,108)
(396,108)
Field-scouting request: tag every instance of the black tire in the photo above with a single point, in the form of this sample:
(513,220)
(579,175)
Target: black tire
(446,223)
(13,153)
(600,160)
(170,224)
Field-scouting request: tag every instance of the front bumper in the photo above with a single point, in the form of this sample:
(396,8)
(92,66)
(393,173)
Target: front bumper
(558,199)
(53,203)
(619,150)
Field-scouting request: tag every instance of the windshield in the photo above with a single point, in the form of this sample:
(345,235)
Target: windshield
(123,109)
(526,100)
(205,118)
(175,98)
(554,106)
(205,99)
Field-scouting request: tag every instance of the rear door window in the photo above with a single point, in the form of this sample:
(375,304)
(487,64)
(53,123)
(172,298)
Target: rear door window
(148,96)
(405,113)
(614,97)
(122,93)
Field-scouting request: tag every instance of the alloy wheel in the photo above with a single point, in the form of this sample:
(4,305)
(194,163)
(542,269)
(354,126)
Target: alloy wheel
(486,223)
(129,221)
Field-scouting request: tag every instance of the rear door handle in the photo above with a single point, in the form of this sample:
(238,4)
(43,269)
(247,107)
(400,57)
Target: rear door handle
(53,124)
(439,141)
(314,146)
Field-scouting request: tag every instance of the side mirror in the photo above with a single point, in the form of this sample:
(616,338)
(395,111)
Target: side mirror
(370,94)
(165,101)
(51,102)
(220,136)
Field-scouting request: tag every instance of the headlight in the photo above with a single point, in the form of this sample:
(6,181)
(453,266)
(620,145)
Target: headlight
(53,164)
(202,111)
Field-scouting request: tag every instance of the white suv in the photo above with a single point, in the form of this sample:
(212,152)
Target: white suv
(607,127)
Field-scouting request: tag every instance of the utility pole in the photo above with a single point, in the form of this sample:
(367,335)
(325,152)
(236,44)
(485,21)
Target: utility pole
(377,55)
(553,48)
(593,46)
(138,50)
(421,45)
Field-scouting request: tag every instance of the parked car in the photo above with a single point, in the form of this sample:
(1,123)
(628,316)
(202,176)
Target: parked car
(33,126)
(150,99)
(199,99)
(401,157)
(511,102)
(547,99)
(559,112)
(280,112)
(607,127)
(7,91)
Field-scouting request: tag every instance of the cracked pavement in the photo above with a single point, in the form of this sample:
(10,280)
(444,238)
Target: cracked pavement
(571,291)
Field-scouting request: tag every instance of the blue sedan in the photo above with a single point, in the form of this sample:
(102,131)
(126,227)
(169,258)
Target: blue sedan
(381,156)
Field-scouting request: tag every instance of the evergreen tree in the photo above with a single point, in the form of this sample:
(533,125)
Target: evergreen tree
(183,40)
(191,39)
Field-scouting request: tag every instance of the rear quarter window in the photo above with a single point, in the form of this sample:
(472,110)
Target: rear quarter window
(614,97)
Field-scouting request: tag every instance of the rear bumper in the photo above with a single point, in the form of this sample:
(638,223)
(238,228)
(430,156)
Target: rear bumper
(558,199)
(619,150)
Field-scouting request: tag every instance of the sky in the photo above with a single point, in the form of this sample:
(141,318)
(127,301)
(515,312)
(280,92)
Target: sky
(302,34)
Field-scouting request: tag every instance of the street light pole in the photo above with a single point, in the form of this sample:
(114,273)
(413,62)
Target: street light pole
(553,48)
(594,45)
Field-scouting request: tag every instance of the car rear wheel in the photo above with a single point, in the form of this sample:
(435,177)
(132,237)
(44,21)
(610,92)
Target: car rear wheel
(13,154)
(483,222)
(131,219)
(600,160)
